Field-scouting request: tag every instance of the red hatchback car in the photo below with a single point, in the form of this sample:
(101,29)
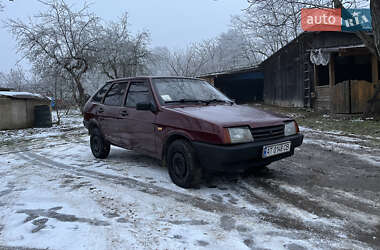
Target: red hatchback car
(188,124)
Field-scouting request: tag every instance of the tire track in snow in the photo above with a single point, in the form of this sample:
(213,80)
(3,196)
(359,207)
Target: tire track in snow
(283,222)
(362,226)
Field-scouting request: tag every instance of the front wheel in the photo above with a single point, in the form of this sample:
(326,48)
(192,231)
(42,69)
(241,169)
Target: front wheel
(183,165)
(99,146)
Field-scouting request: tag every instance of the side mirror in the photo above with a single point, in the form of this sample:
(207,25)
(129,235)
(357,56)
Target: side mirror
(146,106)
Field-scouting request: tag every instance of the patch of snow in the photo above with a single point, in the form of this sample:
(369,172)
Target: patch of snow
(125,163)
(332,132)
(347,148)
(69,123)
(126,218)
(350,196)
(284,207)
(357,120)
(346,211)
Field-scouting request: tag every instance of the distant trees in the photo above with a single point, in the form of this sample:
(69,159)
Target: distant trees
(269,25)
(74,42)
(186,62)
(228,51)
(119,53)
(15,79)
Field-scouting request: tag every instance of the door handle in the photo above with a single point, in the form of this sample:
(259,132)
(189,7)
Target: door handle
(123,113)
(100,110)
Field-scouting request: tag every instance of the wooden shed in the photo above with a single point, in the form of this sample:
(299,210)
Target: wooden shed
(24,110)
(343,85)
(243,85)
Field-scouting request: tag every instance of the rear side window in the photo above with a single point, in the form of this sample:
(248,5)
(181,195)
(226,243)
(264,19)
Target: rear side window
(138,92)
(98,97)
(116,94)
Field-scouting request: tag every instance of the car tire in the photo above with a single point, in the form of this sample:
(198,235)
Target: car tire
(100,148)
(183,165)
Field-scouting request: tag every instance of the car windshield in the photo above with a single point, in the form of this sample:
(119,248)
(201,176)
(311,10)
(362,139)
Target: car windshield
(174,91)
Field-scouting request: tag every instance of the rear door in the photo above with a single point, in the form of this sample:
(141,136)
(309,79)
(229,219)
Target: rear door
(141,123)
(112,114)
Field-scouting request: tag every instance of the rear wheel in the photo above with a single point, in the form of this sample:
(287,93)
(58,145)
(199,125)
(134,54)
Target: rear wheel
(183,165)
(99,146)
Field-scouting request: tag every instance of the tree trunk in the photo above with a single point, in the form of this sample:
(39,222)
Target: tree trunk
(375,13)
(81,100)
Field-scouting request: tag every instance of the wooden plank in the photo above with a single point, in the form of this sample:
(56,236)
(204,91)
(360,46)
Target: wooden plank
(361,92)
(332,71)
(341,98)
(354,52)
(322,101)
(331,80)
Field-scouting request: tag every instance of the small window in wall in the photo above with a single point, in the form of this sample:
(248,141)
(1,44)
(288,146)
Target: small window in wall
(322,75)
(116,94)
(138,93)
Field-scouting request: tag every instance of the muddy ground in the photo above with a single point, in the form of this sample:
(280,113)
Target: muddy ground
(54,194)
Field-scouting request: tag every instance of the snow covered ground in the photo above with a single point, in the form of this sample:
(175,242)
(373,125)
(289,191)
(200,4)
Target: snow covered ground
(54,194)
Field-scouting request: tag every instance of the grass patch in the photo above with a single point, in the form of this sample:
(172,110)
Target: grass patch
(359,125)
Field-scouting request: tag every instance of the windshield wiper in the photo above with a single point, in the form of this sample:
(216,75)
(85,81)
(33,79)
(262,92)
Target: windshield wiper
(187,101)
(218,100)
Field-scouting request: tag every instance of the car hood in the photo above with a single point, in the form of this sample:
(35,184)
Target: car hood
(232,115)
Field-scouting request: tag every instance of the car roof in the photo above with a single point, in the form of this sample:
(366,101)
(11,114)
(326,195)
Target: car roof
(150,77)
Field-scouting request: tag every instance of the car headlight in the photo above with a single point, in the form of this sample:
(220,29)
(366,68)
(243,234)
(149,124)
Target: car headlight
(240,135)
(291,128)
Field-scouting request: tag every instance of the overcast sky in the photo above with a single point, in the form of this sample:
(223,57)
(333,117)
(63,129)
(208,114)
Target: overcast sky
(172,23)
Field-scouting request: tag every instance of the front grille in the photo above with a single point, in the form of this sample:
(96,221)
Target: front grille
(268,133)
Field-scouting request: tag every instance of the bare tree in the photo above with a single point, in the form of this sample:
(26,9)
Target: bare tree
(60,38)
(120,54)
(271,24)
(2,4)
(183,62)
(57,84)
(16,79)
(233,50)
(228,51)
(375,11)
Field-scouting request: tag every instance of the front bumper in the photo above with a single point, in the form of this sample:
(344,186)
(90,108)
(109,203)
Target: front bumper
(238,158)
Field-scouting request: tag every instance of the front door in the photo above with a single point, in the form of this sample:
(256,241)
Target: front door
(112,114)
(141,128)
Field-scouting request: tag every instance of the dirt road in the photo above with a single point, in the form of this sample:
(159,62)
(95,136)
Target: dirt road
(54,194)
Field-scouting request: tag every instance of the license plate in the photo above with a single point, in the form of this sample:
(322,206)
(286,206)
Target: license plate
(276,149)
